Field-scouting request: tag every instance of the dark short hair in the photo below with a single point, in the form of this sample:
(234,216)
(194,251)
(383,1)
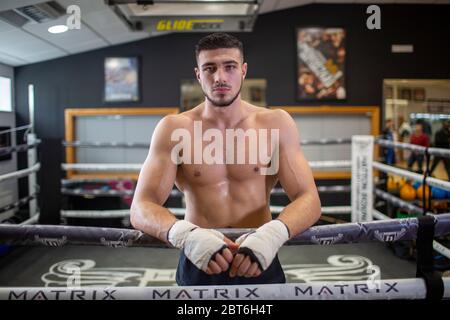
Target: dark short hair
(218,40)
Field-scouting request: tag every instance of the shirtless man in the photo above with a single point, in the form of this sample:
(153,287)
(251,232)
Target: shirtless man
(225,194)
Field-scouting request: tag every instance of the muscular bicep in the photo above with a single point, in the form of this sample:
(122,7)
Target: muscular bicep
(158,172)
(294,172)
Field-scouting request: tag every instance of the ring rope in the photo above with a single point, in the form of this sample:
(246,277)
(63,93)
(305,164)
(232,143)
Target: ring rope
(384,231)
(32,220)
(177,193)
(20,173)
(18,148)
(115,144)
(408,146)
(411,175)
(123,213)
(19,203)
(438,247)
(28,126)
(340,290)
(398,202)
(133,167)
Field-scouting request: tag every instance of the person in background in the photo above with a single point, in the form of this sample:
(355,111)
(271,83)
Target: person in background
(442,140)
(404,133)
(421,139)
(388,134)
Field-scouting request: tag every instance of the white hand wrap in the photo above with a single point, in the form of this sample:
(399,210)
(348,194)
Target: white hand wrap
(265,242)
(199,244)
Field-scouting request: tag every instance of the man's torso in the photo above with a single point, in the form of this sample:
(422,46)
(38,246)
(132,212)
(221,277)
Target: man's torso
(231,193)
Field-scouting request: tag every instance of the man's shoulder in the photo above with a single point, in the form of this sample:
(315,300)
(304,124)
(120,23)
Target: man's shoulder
(173,121)
(273,116)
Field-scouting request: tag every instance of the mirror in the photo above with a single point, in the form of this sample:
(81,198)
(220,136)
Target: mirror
(413,103)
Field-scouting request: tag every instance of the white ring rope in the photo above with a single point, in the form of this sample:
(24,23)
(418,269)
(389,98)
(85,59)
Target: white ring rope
(117,144)
(100,191)
(135,167)
(32,220)
(129,167)
(330,164)
(400,145)
(413,147)
(20,173)
(411,175)
(123,213)
(340,290)
(28,126)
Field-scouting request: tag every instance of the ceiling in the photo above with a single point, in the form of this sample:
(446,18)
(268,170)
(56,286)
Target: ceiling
(101,27)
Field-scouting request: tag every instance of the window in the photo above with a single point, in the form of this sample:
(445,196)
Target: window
(5,94)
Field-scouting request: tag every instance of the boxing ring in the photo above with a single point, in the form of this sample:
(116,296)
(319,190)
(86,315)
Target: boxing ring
(368,225)
(384,231)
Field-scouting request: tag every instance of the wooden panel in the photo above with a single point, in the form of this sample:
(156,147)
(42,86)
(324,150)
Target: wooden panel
(372,111)
(71,114)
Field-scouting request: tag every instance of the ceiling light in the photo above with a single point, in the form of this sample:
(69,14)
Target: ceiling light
(58,29)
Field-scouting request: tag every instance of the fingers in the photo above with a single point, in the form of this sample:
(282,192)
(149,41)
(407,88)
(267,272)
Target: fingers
(228,255)
(236,263)
(244,266)
(221,262)
(233,246)
(214,267)
(252,270)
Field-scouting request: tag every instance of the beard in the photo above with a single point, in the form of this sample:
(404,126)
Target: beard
(223,103)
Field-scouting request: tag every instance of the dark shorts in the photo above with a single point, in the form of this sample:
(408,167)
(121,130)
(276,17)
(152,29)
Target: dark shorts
(189,275)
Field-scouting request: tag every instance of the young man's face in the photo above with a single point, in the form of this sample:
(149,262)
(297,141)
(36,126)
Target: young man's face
(221,73)
(418,128)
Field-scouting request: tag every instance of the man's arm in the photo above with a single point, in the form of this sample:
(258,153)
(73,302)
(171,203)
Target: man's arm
(258,249)
(207,249)
(154,185)
(297,180)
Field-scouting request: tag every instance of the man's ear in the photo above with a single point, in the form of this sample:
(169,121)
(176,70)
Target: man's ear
(197,73)
(244,70)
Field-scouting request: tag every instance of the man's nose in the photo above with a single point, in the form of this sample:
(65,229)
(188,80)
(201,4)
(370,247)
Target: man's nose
(219,76)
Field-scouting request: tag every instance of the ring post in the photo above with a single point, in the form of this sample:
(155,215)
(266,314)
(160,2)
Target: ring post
(362,178)
(32,153)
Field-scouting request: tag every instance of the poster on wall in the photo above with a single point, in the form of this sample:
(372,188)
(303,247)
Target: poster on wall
(321,63)
(121,79)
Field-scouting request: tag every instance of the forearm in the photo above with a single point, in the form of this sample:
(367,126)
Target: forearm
(301,213)
(152,219)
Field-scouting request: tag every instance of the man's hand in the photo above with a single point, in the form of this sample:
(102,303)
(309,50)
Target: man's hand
(258,249)
(221,261)
(207,249)
(244,267)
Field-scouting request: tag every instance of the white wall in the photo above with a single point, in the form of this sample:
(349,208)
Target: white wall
(9,188)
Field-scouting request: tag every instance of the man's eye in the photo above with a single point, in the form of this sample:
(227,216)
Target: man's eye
(208,69)
(231,67)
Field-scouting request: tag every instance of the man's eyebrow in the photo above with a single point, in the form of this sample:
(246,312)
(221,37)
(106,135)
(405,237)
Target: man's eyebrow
(230,62)
(207,64)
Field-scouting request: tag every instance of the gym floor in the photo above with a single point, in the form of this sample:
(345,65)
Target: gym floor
(53,267)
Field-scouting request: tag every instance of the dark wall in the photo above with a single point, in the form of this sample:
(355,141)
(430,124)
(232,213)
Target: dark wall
(77,81)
